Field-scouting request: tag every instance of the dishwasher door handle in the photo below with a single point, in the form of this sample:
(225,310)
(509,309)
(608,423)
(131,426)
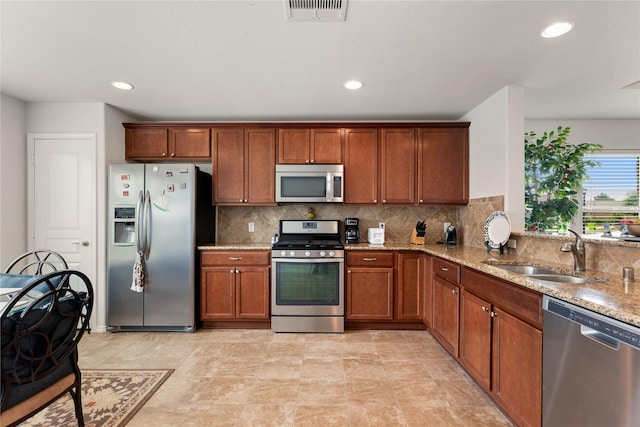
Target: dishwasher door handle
(600,338)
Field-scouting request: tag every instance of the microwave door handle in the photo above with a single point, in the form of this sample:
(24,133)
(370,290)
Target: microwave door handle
(329,187)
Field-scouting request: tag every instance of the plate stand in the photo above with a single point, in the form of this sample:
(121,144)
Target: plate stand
(489,247)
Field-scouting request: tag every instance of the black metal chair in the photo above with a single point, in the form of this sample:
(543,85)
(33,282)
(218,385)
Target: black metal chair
(37,262)
(41,327)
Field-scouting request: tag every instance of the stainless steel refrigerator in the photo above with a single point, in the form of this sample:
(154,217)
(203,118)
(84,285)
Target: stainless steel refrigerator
(158,214)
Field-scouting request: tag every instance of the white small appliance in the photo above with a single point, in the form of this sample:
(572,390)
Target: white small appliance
(375,236)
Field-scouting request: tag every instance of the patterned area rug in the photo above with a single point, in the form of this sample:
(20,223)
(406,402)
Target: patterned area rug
(110,398)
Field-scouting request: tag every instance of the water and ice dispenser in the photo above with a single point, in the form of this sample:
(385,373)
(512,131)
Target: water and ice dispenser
(124,225)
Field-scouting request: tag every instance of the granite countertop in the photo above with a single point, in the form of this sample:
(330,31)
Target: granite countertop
(611,296)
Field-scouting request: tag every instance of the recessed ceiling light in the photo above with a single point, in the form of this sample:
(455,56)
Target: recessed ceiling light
(122,85)
(353,84)
(557,29)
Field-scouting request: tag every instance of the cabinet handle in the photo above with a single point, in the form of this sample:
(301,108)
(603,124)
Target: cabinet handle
(375,200)
(484,308)
(494,314)
(237,271)
(348,271)
(164,154)
(235,258)
(173,154)
(232,271)
(312,161)
(384,201)
(421,201)
(444,269)
(369,259)
(453,291)
(306,161)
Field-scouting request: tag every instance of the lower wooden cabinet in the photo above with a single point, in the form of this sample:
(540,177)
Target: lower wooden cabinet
(446,296)
(234,287)
(369,285)
(517,368)
(502,350)
(410,289)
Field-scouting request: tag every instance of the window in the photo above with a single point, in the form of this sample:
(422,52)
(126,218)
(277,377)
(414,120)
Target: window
(610,194)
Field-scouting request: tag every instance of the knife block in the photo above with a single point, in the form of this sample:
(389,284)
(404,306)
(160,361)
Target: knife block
(414,239)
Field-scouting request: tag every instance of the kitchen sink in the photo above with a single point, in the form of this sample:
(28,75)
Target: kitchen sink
(525,269)
(562,278)
(544,274)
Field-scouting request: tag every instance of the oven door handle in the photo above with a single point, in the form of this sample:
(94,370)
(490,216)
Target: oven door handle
(308,260)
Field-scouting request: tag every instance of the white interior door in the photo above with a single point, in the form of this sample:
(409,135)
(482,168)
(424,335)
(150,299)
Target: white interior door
(62,198)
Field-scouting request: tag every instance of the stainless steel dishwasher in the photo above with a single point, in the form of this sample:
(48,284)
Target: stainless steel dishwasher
(590,368)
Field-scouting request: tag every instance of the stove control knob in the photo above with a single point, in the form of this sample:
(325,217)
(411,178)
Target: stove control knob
(283,253)
(332,253)
(323,253)
(292,253)
(307,253)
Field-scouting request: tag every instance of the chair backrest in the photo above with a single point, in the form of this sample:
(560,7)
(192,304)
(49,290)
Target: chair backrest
(37,262)
(42,325)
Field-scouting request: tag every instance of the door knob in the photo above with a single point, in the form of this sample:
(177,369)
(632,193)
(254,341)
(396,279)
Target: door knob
(83,243)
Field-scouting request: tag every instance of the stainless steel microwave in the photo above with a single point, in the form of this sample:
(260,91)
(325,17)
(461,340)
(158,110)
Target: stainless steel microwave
(309,183)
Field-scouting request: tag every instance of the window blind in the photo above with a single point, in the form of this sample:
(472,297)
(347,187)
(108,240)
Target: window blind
(610,194)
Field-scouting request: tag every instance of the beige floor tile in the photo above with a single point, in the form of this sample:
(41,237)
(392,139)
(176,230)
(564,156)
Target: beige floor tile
(376,416)
(321,416)
(370,393)
(274,391)
(322,392)
(255,415)
(258,378)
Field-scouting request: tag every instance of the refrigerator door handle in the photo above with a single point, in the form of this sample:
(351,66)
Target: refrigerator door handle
(147,224)
(139,225)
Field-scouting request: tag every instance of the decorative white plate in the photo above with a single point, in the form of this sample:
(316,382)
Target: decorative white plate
(497,229)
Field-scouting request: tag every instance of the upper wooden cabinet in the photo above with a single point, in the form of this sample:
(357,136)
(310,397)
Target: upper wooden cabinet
(443,166)
(167,143)
(397,166)
(243,165)
(301,146)
(361,166)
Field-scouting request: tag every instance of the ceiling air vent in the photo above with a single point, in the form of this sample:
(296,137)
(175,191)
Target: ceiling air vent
(315,10)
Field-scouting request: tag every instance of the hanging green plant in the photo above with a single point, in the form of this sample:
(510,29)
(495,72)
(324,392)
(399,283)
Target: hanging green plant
(554,171)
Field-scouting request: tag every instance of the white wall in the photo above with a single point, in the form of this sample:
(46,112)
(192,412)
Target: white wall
(496,151)
(611,134)
(13,179)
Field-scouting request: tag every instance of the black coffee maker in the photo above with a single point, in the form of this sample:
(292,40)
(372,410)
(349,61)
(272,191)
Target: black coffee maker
(351,231)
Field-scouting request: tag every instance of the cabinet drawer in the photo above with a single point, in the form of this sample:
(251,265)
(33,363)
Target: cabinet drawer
(234,258)
(369,259)
(447,270)
(520,302)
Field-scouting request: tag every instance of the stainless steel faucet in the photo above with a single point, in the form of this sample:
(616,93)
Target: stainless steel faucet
(578,251)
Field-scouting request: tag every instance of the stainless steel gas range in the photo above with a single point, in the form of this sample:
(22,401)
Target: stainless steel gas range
(307,277)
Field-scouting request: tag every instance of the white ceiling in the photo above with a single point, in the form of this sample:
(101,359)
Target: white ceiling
(241,60)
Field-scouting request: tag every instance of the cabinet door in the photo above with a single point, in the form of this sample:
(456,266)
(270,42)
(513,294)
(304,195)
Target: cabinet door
(397,166)
(369,294)
(228,165)
(189,143)
(146,143)
(252,293)
(446,314)
(427,278)
(409,289)
(293,146)
(517,368)
(475,337)
(361,166)
(217,293)
(443,166)
(326,146)
(260,166)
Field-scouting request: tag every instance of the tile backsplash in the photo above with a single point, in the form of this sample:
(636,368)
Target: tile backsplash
(232,226)
(399,220)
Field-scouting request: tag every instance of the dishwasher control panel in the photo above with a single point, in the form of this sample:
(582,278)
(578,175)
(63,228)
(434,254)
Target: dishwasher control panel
(615,329)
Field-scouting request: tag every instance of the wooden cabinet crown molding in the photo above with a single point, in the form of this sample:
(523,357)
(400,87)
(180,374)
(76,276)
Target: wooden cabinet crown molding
(293,125)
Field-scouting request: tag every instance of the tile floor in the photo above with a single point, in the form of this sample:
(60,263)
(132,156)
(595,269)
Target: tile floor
(258,378)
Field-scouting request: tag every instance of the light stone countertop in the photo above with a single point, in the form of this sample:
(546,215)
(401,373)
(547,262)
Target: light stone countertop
(611,297)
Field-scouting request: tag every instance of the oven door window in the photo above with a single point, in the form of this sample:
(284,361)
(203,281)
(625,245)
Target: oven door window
(316,284)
